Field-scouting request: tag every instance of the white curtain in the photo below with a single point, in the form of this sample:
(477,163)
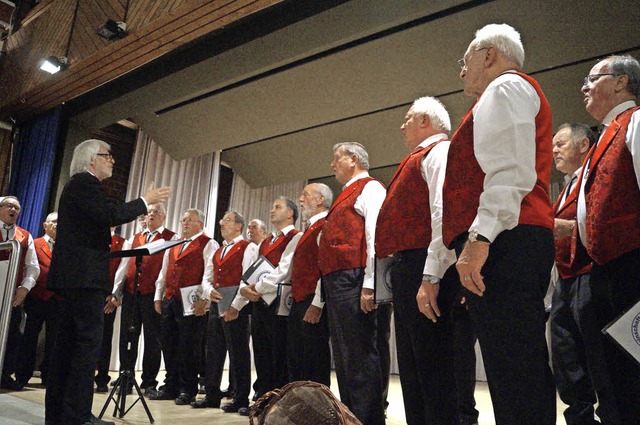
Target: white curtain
(193,184)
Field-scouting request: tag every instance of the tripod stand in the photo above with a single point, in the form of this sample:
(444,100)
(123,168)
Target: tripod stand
(127,376)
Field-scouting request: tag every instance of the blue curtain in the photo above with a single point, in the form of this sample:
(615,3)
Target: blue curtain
(32,170)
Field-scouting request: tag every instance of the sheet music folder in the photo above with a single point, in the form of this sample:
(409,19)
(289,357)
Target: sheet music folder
(147,249)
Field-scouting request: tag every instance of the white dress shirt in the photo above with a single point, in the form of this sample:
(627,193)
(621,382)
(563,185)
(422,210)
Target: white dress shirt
(282,273)
(632,140)
(317,299)
(31,265)
(573,179)
(250,255)
(368,206)
(207,256)
(504,140)
(433,167)
(121,273)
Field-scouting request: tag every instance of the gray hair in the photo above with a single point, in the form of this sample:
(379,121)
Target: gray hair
(198,212)
(290,205)
(84,153)
(261,224)
(626,65)
(160,207)
(325,191)
(51,217)
(237,218)
(4,198)
(578,132)
(436,111)
(354,148)
(504,38)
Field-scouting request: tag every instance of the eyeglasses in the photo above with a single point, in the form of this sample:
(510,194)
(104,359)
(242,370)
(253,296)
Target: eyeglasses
(156,212)
(106,156)
(463,62)
(11,207)
(595,77)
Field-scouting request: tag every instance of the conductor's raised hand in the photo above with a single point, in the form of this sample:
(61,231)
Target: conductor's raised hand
(153,195)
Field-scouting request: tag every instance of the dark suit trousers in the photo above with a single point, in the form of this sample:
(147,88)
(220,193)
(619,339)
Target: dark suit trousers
(269,335)
(73,360)
(353,338)
(308,355)
(425,349)
(39,313)
(103,378)
(615,287)
(181,347)
(464,361)
(144,315)
(383,335)
(14,340)
(234,337)
(509,320)
(576,350)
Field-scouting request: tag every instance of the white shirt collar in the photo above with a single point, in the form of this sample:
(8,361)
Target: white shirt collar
(362,175)
(194,237)
(284,231)
(431,139)
(233,241)
(617,110)
(317,217)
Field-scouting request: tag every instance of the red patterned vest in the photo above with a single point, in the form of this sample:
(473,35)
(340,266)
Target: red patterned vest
(404,221)
(228,271)
(22,236)
(571,258)
(116,245)
(612,195)
(43,252)
(185,269)
(342,244)
(150,267)
(273,251)
(464,180)
(305,271)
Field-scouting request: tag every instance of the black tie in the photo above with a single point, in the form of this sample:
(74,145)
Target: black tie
(225,249)
(7,228)
(184,245)
(150,235)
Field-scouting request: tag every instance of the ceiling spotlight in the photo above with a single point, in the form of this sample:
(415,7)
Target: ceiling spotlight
(54,64)
(112,30)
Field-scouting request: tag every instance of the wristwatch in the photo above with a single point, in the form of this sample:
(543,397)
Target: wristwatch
(474,236)
(434,280)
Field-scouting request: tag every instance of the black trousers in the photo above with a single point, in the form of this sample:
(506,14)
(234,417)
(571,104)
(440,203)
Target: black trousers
(510,321)
(309,356)
(383,335)
(232,337)
(576,350)
(615,287)
(425,349)
(464,361)
(269,336)
(39,313)
(144,316)
(14,340)
(353,338)
(181,347)
(73,360)
(104,359)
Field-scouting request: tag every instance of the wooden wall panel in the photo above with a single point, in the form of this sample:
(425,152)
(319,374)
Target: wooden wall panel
(155,27)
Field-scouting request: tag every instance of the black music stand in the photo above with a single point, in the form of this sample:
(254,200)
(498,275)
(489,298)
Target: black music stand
(127,376)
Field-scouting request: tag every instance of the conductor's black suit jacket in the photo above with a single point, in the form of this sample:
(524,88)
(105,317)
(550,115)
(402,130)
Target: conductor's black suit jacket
(85,214)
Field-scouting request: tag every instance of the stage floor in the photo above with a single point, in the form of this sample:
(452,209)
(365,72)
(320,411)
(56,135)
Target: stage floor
(27,407)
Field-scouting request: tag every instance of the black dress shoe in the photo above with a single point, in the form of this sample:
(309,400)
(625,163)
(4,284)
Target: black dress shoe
(207,401)
(235,406)
(102,388)
(184,399)
(162,394)
(98,421)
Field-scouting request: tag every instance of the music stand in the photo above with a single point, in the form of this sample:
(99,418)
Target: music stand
(127,376)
